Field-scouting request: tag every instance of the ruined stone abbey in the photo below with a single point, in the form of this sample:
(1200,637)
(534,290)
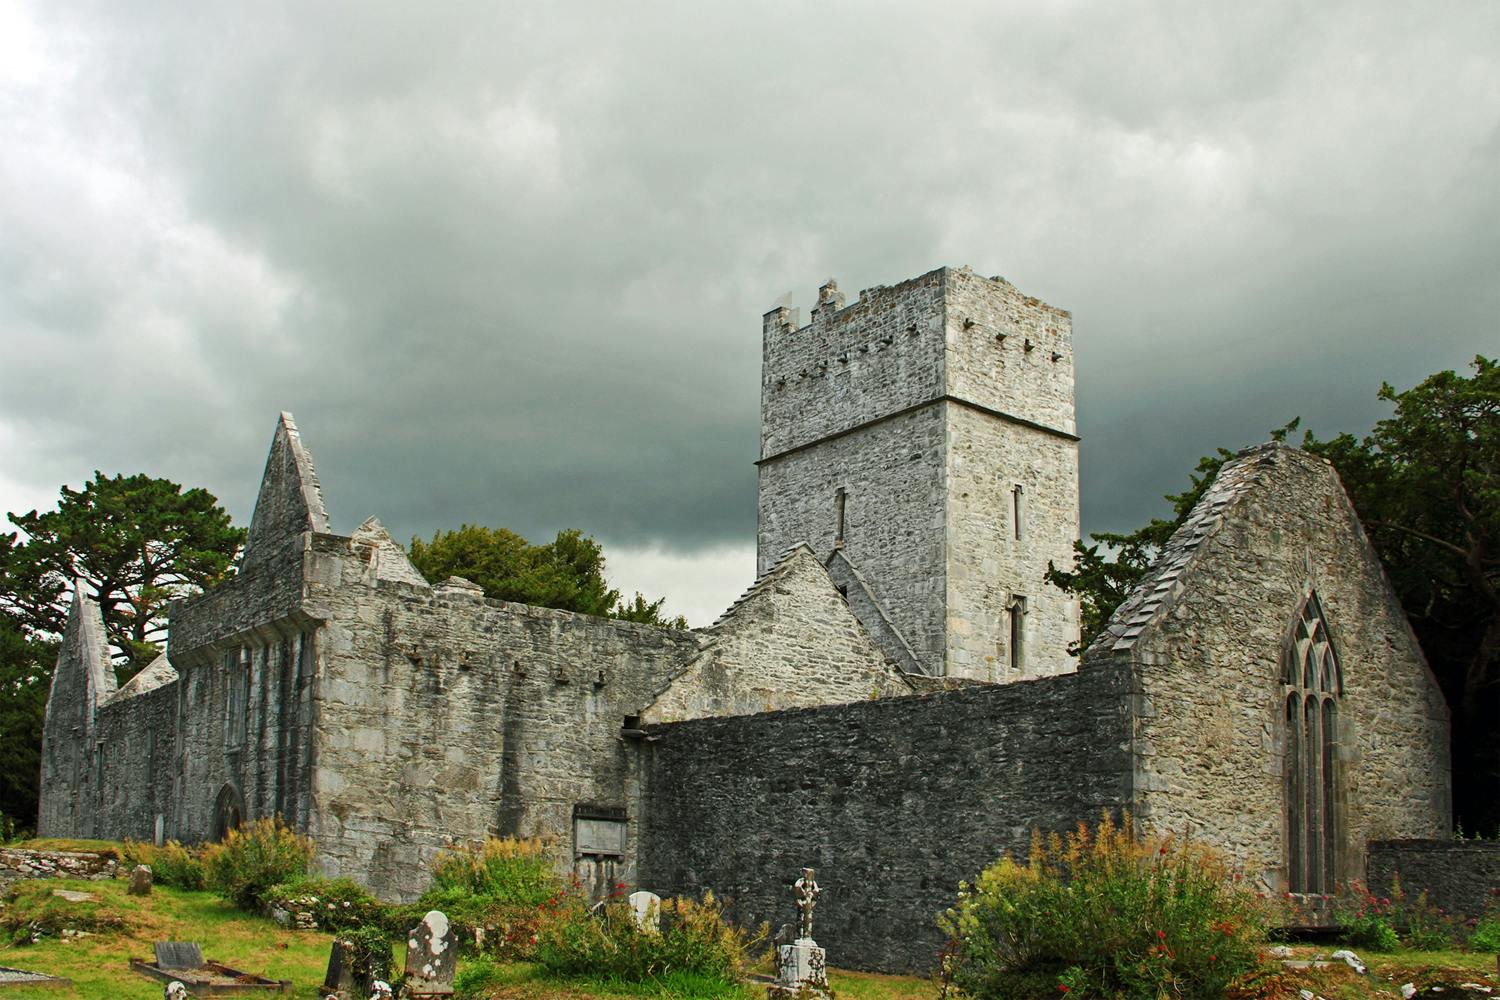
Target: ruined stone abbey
(892,701)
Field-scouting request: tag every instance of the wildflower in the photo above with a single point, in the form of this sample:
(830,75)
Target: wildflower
(1162,935)
(1062,988)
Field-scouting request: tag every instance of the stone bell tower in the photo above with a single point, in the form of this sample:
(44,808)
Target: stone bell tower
(922,440)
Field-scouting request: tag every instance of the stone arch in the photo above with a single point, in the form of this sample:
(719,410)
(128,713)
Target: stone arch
(1312,683)
(229,811)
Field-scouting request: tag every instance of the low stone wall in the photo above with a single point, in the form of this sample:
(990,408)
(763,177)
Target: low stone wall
(19,863)
(1461,876)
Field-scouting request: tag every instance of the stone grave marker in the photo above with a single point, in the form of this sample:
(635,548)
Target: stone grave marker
(178,955)
(646,906)
(140,881)
(340,980)
(431,954)
(802,965)
(74,896)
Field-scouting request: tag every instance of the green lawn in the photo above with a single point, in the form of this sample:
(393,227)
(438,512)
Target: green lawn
(98,965)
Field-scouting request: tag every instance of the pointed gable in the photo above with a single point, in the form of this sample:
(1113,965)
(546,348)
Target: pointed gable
(384,558)
(85,671)
(790,641)
(290,501)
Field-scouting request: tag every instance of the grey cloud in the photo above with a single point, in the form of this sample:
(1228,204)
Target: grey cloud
(508,266)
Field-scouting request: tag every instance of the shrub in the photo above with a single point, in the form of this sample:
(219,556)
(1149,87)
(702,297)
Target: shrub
(171,864)
(503,869)
(694,939)
(474,980)
(1485,936)
(250,860)
(326,904)
(1100,914)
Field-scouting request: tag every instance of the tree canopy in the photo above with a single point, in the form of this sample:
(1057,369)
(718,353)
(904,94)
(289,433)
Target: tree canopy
(1426,485)
(134,542)
(565,573)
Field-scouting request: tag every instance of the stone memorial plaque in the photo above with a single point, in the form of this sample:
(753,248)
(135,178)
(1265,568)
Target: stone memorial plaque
(431,954)
(178,955)
(599,836)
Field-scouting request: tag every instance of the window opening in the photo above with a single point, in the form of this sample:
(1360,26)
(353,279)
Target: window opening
(1312,682)
(839,497)
(1017,630)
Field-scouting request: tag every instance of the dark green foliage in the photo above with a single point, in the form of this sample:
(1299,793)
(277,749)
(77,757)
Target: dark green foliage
(333,904)
(25,679)
(1426,486)
(567,573)
(135,543)
(252,860)
(495,894)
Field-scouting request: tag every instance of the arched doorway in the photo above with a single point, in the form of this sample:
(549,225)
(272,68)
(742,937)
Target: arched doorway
(229,811)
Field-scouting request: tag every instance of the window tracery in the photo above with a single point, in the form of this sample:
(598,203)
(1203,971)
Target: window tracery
(1312,682)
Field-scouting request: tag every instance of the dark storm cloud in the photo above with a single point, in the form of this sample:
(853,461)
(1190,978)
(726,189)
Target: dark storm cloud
(507,266)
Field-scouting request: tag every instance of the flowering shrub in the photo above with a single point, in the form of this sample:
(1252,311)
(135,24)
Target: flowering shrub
(250,860)
(1096,913)
(502,869)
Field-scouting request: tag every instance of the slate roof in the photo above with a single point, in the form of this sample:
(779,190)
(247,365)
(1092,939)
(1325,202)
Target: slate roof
(1159,588)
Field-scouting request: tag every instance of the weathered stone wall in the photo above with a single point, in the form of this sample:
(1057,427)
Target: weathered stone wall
(18,863)
(82,679)
(892,475)
(1207,631)
(849,365)
(443,716)
(992,573)
(135,760)
(790,642)
(1461,876)
(919,410)
(893,801)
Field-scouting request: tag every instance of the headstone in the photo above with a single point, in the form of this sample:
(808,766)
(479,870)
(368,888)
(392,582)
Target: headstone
(140,881)
(340,980)
(380,990)
(174,991)
(646,906)
(431,953)
(178,955)
(802,965)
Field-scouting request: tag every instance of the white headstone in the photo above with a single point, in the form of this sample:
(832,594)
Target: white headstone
(647,909)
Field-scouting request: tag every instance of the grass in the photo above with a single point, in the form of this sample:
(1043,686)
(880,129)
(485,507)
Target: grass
(106,847)
(99,965)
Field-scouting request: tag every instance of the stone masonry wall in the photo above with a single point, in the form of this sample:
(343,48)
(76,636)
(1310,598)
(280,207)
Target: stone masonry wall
(1461,876)
(135,759)
(851,364)
(989,566)
(790,642)
(1275,526)
(443,716)
(892,801)
(892,475)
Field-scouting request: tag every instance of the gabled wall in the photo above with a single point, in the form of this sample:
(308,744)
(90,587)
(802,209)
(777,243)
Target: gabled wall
(790,641)
(81,681)
(1205,634)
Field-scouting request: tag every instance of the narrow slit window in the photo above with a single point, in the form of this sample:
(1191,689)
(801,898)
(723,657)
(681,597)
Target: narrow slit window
(839,497)
(1017,509)
(1017,631)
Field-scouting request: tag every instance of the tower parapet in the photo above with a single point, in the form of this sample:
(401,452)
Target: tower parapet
(926,433)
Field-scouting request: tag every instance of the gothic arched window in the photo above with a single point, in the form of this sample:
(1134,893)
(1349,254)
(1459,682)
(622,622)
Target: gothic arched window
(1311,682)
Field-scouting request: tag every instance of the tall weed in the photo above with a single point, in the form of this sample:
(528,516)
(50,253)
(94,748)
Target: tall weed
(1098,913)
(171,864)
(251,860)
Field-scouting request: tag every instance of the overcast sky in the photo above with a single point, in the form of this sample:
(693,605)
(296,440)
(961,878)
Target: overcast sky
(506,263)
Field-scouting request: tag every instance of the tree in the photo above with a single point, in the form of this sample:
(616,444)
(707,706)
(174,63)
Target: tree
(135,542)
(1426,486)
(566,573)
(25,674)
